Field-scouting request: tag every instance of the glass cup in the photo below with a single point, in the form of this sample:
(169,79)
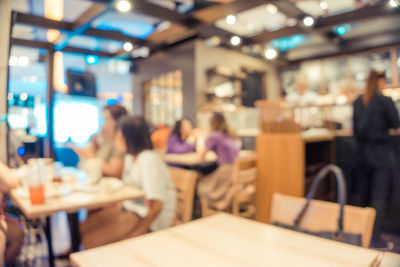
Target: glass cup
(36,193)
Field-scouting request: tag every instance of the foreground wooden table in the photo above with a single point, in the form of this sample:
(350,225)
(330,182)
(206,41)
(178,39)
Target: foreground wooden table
(225,240)
(71,204)
(75,201)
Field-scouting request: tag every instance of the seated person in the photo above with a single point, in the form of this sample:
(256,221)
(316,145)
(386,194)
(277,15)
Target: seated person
(159,137)
(102,145)
(181,140)
(144,169)
(217,185)
(11,234)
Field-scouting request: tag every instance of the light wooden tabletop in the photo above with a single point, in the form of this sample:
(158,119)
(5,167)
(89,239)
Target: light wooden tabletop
(225,240)
(193,159)
(75,201)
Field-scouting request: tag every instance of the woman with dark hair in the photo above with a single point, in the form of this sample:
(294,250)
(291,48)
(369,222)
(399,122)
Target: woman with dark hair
(102,145)
(181,141)
(216,187)
(145,170)
(374,115)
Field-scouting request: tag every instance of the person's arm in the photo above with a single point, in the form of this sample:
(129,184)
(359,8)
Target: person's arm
(113,167)
(392,116)
(154,208)
(7,180)
(175,146)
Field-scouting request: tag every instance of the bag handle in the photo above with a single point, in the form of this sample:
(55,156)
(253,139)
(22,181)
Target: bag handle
(341,189)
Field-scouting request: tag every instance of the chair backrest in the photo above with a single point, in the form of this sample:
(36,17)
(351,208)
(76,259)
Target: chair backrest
(185,183)
(323,216)
(244,174)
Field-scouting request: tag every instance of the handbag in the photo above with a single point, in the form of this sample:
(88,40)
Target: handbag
(339,234)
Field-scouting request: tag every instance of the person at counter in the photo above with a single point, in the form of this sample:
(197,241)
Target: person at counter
(181,140)
(145,170)
(303,96)
(374,115)
(102,145)
(216,186)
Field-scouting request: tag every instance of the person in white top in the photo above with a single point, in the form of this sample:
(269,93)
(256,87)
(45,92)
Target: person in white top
(303,96)
(144,169)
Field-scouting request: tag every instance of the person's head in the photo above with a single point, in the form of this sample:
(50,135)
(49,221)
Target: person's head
(301,83)
(133,135)
(111,115)
(375,83)
(183,128)
(218,123)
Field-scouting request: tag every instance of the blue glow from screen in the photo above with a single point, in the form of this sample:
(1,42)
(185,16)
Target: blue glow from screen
(138,29)
(111,101)
(342,29)
(91,60)
(21,151)
(119,98)
(286,43)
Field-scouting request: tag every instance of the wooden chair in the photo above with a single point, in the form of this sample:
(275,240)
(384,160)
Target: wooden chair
(185,184)
(243,186)
(323,216)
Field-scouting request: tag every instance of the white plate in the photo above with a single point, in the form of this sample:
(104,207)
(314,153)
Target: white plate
(111,183)
(50,191)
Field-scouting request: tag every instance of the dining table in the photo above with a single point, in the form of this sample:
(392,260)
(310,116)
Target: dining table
(195,159)
(226,240)
(78,196)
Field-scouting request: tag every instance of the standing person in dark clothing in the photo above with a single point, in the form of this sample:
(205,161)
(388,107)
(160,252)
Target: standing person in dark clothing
(374,115)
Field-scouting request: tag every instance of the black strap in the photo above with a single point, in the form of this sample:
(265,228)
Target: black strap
(341,189)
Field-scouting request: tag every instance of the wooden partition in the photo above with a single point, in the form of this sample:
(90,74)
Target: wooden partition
(281,168)
(286,153)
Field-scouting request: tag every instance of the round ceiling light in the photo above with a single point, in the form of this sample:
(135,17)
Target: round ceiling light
(231,19)
(324,5)
(308,21)
(128,46)
(272,9)
(123,6)
(271,53)
(236,40)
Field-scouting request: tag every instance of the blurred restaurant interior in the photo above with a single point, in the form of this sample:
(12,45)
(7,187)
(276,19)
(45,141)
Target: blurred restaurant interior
(222,132)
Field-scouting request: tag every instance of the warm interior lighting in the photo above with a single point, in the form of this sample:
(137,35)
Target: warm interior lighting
(272,9)
(53,9)
(59,84)
(128,46)
(271,53)
(236,40)
(123,6)
(324,5)
(231,19)
(308,21)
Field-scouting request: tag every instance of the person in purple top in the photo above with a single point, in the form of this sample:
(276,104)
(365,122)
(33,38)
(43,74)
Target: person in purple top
(222,140)
(216,187)
(181,140)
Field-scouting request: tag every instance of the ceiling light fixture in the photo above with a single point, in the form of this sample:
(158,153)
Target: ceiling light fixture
(236,40)
(123,6)
(128,46)
(324,5)
(394,3)
(308,21)
(271,53)
(231,19)
(272,9)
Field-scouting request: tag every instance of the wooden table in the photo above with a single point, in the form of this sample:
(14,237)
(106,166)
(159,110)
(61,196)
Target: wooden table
(225,240)
(71,204)
(193,159)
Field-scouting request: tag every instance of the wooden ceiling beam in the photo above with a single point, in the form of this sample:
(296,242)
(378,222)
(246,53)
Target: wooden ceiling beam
(30,43)
(63,26)
(81,24)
